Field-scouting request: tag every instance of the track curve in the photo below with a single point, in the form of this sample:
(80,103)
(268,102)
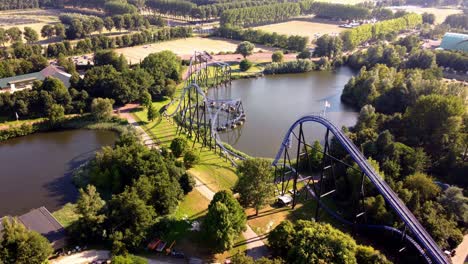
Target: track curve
(191,84)
(427,244)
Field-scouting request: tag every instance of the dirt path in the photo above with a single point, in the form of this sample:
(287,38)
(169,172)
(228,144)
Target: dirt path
(461,252)
(125,112)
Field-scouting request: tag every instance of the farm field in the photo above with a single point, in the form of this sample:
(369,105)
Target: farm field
(440,13)
(182,47)
(303,28)
(34,18)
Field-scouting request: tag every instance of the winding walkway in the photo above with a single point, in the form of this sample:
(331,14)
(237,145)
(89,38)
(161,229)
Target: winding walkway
(461,255)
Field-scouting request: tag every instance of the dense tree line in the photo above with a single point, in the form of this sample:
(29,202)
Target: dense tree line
(158,75)
(455,60)
(335,11)
(110,78)
(312,242)
(205,12)
(411,123)
(457,21)
(103,42)
(21,4)
(135,188)
(172,7)
(390,55)
(20,66)
(353,37)
(260,14)
(296,66)
(294,43)
(116,7)
(80,26)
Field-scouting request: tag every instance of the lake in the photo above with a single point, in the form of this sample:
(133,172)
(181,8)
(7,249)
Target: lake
(272,104)
(36,169)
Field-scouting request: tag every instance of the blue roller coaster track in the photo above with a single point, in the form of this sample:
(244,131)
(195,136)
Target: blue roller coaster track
(199,64)
(427,246)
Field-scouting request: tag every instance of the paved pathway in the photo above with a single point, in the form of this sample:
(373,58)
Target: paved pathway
(461,255)
(89,256)
(82,257)
(125,112)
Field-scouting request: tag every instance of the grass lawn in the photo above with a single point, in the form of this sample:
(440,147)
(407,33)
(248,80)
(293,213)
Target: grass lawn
(212,169)
(255,69)
(271,216)
(66,215)
(5,122)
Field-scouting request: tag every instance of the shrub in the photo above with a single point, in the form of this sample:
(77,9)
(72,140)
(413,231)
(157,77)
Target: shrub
(101,109)
(289,67)
(245,65)
(277,56)
(187,182)
(305,54)
(190,159)
(178,146)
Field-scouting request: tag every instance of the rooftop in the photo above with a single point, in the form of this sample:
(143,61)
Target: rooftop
(455,41)
(50,71)
(42,221)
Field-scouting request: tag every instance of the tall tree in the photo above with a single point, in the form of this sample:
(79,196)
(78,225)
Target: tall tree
(14,34)
(453,200)
(245,48)
(30,35)
(90,208)
(255,183)
(20,246)
(48,31)
(101,109)
(224,222)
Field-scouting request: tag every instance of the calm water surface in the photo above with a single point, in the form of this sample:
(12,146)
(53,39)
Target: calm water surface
(35,170)
(273,103)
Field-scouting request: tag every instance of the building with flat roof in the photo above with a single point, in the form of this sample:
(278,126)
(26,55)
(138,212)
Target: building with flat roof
(455,41)
(43,222)
(21,82)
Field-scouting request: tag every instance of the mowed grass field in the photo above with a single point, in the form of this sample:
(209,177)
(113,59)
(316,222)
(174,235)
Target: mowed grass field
(440,13)
(303,28)
(182,47)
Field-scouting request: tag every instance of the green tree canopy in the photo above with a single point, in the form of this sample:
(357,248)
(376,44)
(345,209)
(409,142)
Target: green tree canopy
(21,246)
(255,183)
(101,109)
(245,48)
(224,222)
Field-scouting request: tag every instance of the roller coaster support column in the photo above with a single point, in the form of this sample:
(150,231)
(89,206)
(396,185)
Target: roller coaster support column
(296,174)
(359,209)
(402,241)
(325,156)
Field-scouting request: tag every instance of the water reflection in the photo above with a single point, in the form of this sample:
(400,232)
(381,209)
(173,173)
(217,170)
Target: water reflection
(36,169)
(273,103)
